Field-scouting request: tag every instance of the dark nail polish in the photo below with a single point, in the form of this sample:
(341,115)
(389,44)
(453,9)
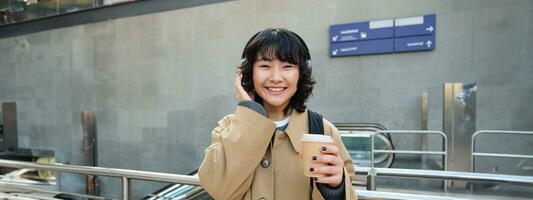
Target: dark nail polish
(314,178)
(324,148)
(311,169)
(314,158)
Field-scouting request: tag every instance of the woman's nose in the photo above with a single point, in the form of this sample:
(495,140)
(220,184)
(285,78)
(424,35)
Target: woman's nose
(276,74)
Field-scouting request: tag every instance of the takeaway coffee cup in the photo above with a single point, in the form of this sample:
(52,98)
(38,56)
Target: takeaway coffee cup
(311,146)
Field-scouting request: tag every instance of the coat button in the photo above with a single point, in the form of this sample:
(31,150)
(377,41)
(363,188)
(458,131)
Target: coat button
(265,163)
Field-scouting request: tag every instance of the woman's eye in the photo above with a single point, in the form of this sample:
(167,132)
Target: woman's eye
(289,67)
(264,66)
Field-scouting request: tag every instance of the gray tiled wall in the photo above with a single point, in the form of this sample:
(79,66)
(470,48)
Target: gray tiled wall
(160,82)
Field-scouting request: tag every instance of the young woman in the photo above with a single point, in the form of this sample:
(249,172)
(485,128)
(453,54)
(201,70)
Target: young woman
(255,153)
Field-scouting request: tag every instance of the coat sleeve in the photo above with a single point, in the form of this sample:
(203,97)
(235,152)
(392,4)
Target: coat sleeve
(238,144)
(349,171)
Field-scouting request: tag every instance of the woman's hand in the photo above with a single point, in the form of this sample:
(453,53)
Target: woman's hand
(239,90)
(333,170)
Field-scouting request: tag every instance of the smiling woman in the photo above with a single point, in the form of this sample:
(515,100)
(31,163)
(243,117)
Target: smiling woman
(255,153)
(287,48)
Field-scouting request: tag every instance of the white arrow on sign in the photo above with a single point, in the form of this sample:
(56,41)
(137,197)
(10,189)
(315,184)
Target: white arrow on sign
(430,29)
(334,52)
(363,35)
(334,38)
(429,43)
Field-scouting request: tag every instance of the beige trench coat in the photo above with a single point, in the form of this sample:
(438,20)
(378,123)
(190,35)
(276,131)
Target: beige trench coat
(232,167)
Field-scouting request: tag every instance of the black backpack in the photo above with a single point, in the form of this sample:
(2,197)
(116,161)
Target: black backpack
(316,126)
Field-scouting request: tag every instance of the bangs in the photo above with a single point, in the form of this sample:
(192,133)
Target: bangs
(277,45)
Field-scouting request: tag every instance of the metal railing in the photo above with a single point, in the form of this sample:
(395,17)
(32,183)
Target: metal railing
(501,155)
(446,175)
(367,194)
(371,175)
(443,153)
(128,175)
(125,174)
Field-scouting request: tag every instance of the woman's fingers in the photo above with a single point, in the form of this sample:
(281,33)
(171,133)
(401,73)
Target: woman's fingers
(329,163)
(333,150)
(328,159)
(332,181)
(333,175)
(240,93)
(328,170)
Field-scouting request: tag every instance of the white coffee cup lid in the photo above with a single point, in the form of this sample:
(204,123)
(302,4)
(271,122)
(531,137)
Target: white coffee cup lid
(316,138)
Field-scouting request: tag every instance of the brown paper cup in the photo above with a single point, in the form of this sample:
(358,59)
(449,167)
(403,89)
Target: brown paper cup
(311,146)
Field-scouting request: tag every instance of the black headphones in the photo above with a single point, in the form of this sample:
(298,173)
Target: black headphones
(307,54)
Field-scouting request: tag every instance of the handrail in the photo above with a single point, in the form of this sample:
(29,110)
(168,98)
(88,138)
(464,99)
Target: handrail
(444,153)
(371,176)
(126,174)
(501,155)
(103,171)
(173,178)
(5,184)
(193,180)
(368,194)
(360,125)
(447,175)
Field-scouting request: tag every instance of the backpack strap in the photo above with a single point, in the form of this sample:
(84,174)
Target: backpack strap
(316,126)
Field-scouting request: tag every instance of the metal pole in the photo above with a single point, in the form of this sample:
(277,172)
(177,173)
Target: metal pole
(371,179)
(88,121)
(445,182)
(372,149)
(424,121)
(126,188)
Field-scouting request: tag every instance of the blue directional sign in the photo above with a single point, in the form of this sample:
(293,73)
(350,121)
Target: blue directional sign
(417,43)
(383,36)
(361,31)
(361,47)
(411,26)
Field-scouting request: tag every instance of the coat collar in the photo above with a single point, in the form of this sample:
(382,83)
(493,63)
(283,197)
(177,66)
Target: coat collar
(296,128)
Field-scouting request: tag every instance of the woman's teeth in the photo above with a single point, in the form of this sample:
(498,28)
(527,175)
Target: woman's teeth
(275,89)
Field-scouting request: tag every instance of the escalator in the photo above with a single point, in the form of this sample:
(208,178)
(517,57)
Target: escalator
(357,140)
(180,191)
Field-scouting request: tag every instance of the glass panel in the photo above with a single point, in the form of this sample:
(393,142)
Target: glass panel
(74,5)
(14,11)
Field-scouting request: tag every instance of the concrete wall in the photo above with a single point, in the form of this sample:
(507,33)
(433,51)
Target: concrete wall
(160,82)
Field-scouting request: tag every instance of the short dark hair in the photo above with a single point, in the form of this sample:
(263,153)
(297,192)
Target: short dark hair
(285,46)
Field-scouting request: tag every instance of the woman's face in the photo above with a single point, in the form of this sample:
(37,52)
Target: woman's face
(275,82)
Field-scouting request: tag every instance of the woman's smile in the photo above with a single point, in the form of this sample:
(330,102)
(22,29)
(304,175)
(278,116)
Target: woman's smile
(276,90)
(275,82)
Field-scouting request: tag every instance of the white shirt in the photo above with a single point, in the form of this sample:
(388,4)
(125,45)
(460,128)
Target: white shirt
(282,122)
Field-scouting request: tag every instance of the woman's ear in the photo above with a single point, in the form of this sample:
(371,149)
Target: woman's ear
(252,94)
